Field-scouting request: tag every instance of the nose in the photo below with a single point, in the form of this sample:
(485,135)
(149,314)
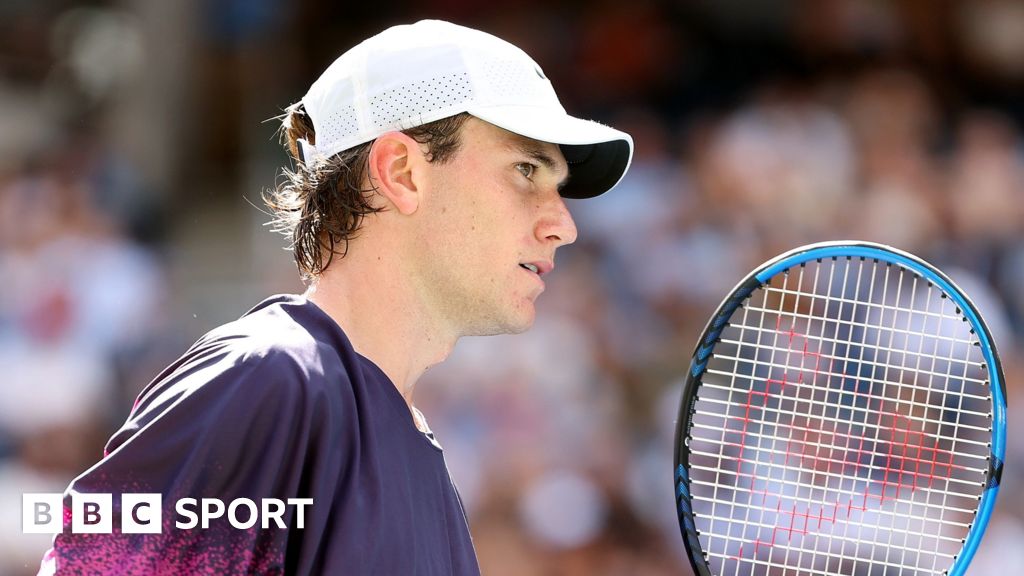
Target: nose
(556,224)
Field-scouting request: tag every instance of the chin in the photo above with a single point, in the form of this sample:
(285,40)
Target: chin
(512,326)
(520,327)
(514,321)
(522,319)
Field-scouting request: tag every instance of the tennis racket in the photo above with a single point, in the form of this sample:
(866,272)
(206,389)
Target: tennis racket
(844,414)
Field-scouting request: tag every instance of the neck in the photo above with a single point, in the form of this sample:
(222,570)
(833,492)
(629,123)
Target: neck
(382,317)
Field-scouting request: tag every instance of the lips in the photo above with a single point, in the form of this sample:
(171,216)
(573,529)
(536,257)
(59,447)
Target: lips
(539,267)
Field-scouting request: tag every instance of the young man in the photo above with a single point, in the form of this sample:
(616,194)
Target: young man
(426,204)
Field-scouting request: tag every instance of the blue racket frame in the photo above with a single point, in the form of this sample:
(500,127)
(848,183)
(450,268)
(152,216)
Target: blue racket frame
(821,251)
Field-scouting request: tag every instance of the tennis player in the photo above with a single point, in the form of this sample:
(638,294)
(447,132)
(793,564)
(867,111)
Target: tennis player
(425,204)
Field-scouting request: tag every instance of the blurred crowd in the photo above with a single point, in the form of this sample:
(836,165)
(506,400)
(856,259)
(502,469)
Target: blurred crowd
(127,226)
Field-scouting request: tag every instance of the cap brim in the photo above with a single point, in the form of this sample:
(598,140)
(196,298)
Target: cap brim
(598,155)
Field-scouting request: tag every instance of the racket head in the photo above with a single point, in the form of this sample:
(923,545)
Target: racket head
(925,448)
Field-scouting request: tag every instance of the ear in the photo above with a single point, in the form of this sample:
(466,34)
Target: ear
(398,170)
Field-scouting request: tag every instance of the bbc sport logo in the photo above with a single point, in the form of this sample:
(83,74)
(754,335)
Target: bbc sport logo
(143,513)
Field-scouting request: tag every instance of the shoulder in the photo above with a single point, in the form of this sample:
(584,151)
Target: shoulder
(280,330)
(282,351)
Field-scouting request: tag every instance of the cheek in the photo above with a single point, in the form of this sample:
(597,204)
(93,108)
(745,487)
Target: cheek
(482,221)
(501,230)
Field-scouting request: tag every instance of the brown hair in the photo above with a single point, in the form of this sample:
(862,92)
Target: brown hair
(321,206)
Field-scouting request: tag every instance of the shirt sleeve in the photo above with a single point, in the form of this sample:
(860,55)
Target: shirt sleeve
(221,425)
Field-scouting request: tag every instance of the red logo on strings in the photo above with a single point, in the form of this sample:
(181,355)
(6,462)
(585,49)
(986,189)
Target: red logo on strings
(913,458)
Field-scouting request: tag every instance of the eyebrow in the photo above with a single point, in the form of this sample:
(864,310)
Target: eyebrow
(531,149)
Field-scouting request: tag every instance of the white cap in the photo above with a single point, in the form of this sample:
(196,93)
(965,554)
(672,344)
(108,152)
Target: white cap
(411,75)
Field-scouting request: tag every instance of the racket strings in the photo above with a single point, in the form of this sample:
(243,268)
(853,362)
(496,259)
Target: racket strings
(841,425)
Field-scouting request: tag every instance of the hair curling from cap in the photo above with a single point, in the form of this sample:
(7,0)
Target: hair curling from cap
(319,204)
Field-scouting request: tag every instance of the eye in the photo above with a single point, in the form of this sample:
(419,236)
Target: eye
(526,169)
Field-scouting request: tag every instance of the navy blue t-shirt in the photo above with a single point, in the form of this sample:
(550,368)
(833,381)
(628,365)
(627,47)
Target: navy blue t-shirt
(276,405)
